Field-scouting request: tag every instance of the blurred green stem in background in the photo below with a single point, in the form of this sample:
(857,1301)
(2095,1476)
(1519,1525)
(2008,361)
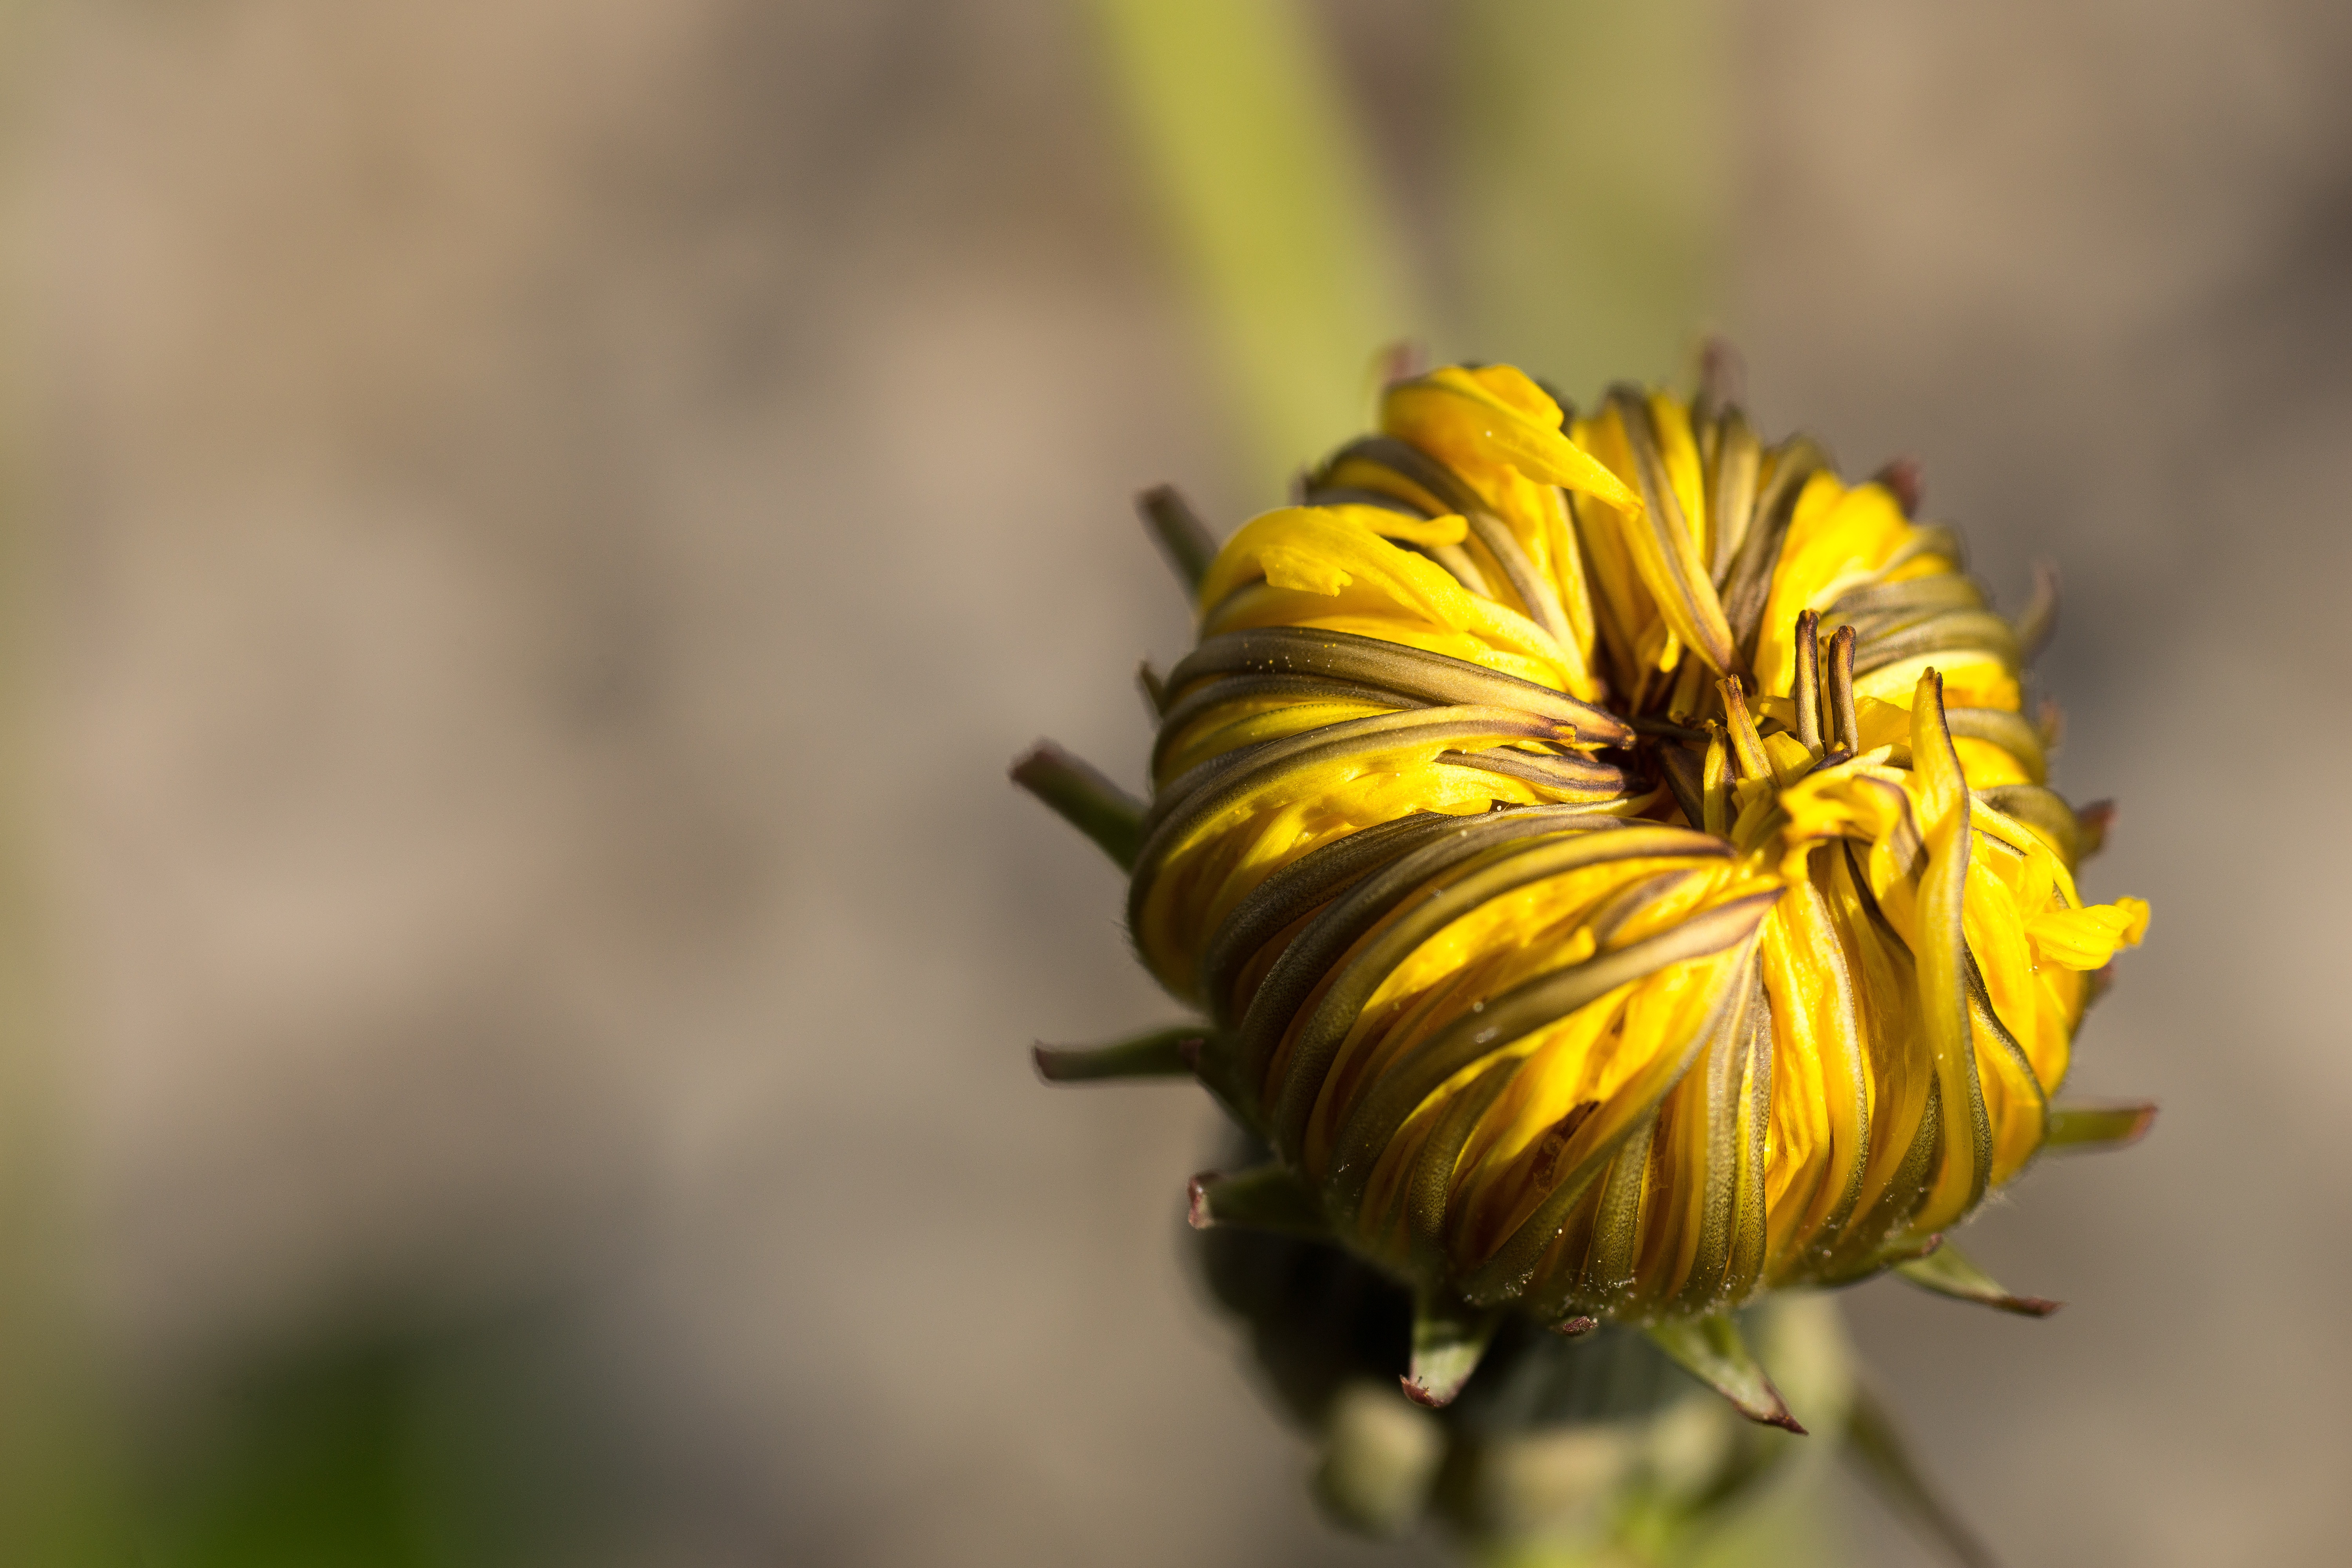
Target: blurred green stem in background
(60,1500)
(1272,208)
(1586,192)
(60,1506)
(1591,183)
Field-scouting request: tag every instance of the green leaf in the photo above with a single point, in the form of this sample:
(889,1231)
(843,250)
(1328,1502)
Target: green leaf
(1947,1273)
(1713,1351)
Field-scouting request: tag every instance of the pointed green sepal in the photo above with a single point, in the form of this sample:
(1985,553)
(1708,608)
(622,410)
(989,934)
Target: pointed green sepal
(2091,824)
(1713,1351)
(1877,1449)
(2040,617)
(1180,534)
(1271,1197)
(1947,1273)
(1162,1053)
(1154,688)
(2089,1127)
(1080,795)
(1901,1250)
(1448,1339)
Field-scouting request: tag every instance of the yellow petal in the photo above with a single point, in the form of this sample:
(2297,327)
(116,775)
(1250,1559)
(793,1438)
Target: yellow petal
(1307,571)
(2086,938)
(1452,410)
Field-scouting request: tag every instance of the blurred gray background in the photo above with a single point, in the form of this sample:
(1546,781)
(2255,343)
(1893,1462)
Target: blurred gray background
(539,526)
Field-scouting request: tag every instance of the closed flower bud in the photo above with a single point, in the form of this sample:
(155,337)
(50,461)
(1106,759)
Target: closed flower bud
(1612,873)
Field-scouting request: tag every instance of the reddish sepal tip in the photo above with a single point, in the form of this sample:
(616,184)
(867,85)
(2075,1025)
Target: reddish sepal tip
(1403,360)
(1904,479)
(1196,1200)
(1571,1328)
(1027,766)
(1427,1398)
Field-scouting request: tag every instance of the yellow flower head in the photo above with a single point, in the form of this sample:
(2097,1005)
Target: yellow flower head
(1613,871)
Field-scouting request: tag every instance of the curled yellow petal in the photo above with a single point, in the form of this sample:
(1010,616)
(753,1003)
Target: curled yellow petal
(1498,415)
(2086,938)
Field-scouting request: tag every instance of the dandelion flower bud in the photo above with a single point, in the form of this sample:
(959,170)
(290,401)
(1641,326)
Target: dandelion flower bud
(1613,871)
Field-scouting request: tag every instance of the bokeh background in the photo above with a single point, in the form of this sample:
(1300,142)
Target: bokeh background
(532,530)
